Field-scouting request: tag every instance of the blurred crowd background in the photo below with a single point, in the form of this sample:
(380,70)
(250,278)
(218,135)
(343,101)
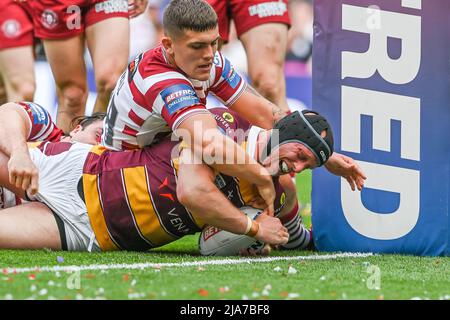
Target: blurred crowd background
(146,31)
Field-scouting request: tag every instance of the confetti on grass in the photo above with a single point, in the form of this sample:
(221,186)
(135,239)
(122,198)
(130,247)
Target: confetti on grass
(292,270)
(203,292)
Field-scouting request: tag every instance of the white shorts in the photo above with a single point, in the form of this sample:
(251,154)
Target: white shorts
(58,179)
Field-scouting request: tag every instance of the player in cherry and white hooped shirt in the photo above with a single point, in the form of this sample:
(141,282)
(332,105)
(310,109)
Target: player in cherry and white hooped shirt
(162,98)
(165,89)
(24,122)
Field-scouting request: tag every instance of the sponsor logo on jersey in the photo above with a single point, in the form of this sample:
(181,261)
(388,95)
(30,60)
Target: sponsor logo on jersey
(230,75)
(112,6)
(283,199)
(49,19)
(220,182)
(133,67)
(11,28)
(178,97)
(222,122)
(228,117)
(38,113)
(268,9)
(209,232)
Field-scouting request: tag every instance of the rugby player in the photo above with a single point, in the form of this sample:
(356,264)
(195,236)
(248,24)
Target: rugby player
(16,51)
(64,26)
(138,200)
(262,26)
(165,90)
(29,122)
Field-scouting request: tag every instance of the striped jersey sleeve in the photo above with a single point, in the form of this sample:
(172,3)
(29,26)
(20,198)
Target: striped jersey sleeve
(174,100)
(42,126)
(150,100)
(228,83)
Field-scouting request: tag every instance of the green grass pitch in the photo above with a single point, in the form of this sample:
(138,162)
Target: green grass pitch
(370,277)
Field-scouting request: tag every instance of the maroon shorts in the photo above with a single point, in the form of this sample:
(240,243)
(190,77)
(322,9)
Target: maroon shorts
(248,14)
(16,26)
(61,19)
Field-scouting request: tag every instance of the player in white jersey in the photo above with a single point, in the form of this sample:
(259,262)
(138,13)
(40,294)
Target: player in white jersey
(165,90)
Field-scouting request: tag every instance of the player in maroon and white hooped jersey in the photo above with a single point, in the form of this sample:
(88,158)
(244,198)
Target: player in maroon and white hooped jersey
(165,89)
(29,122)
(162,98)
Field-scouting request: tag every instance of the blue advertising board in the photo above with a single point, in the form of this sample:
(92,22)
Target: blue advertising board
(381,75)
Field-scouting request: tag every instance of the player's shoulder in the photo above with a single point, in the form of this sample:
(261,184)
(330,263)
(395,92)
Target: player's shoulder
(154,64)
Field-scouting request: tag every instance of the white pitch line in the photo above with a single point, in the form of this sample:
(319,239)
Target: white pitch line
(142,266)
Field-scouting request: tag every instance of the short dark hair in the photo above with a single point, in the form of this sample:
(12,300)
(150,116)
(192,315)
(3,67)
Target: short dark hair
(86,121)
(195,15)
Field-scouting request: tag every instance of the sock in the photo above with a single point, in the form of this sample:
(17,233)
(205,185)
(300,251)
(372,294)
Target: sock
(299,236)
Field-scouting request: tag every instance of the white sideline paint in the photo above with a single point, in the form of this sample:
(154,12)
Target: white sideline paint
(142,266)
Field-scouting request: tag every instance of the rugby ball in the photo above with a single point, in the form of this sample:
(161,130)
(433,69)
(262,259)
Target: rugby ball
(216,242)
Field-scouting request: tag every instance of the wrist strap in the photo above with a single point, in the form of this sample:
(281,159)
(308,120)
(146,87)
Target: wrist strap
(249,225)
(254,228)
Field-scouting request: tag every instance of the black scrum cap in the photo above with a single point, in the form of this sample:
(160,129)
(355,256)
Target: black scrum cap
(305,129)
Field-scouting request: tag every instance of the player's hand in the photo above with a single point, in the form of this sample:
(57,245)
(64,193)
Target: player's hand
(23,173)
(346,167)
(267,193)
(271,231)
(136,7)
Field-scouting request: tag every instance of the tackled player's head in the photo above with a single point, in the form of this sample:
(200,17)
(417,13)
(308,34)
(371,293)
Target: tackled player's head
(87,129)
(191,36)
(302,140)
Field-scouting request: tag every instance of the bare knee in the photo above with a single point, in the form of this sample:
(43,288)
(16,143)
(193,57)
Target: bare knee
(268,82)
(106,80)
(73,96)
(26,91)
(23,89)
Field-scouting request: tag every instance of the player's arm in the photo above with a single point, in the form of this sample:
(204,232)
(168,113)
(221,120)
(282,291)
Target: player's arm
(198,193)
(223,154)
(15,128)
(256,109)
